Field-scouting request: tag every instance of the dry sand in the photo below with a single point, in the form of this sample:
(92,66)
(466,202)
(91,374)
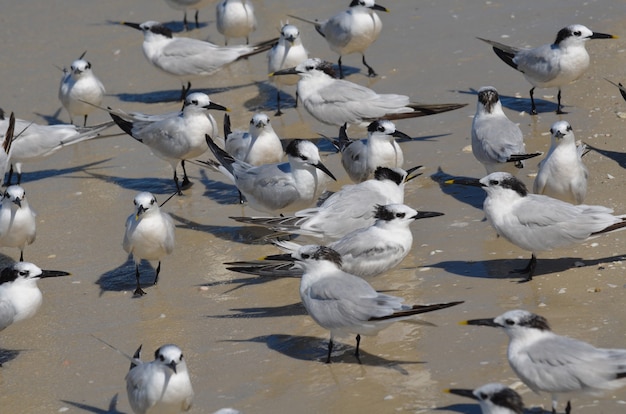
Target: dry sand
(248,343)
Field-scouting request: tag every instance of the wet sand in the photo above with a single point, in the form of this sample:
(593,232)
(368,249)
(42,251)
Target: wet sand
(248,342)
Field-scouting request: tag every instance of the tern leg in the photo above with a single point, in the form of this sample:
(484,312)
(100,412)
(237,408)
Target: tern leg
(186,182)
(21,255)
(533,108)
(356,353)
(138,291)
(180,193)
(278,111)
(185,20)
(568,408)
(9,176)
(158,270)
(196,17)
(559,111)
(529,269)
(297,97)
(330,350)
(340,68)
(85,121)
(370,70)
(184,91)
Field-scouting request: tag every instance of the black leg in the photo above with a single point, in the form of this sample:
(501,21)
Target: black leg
(158,270)
(533,108)
(184,91)
(85,120)
(529,270)
(297,97)
(358,343)
(180,193)
(186,182)
(340,69)
(21,255)
(19,178)
(568,408)
(185,20)
(9,176)
(196,16)
(138,290)
(559,109)
(330,350)
(370,70)
(278,111)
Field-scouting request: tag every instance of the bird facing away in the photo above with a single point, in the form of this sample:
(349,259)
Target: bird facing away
(286,186)
(162,385)
(494,398)
(352,30)
(179,136)
(187,58)
(20,298)
(18,226)
(344,303)
(286,53)
(80,90)
(360,158)
(535,222)
(337,102)
(562,173)
(185,5)
(349,209)
(149,234)
(365,252)
(235,19)
(547,362)
(497,142)
(260,145)
(554,65)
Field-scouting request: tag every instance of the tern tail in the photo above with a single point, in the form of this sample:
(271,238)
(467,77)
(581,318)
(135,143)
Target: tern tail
(417,309)
(504,52)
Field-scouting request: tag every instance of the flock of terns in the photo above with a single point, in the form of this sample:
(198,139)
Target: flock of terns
(363,228)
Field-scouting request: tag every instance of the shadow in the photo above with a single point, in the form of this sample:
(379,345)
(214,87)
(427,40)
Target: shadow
(618,157)
(462,408)
(239,234)
(473,196)
(519,104)
(122,278)
(173,95)
(53,119)
(7,355)
(174,25)
(157,186)
(91,409)
(43,174)
(308,348)
(294,309)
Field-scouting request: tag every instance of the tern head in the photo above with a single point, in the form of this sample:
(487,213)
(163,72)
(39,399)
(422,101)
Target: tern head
(384,127)
(144,202)
(303,152)
(370,4)
(14,194)
(170,356)
(23,271)
(259,121)
(290,33)
(562,132)
(493,398)
(313,253)
(150,28)
(516,323)
(79,67)
(488,98)
(396,174)
(199,101)
(401,213)
(310,67)
(494,182)
(576,34)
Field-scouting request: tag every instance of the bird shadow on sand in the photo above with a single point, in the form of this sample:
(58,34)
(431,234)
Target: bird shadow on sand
(43,174)
(293,309)
(618,157)
(173,95)
(122,278)
(53,119)
(504,268)
(7,355)
(93,409)
(461,408)
(308,348)
(157,186)
(473,196)
(518,104)
(176,26)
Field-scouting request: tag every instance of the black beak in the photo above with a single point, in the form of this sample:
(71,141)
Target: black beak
(217,107)
(52,273)
(462,392)
(379,8)
(399,134)
(482,322)
(133,25)
(173,366)
(140,211)
(602,36)
(426,214)
(18,202)
(289,71)
(475,182)
(326,171)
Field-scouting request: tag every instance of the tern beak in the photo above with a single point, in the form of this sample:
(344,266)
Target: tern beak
(602,36)
(426,214)
(173,366)
(475,182)
(52,273)
(140,211)
(379,8)
(481,322)
(400,134)
(133,25)
(326,171)
(216,107)
(462,392)
(289,71)
(18,202)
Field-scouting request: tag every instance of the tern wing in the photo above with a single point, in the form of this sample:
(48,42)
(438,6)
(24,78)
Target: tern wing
(7,314)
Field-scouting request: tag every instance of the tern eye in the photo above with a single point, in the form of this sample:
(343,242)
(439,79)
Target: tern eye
(552,131)
(306,256)
(400,215)
(181,357)
(310,67)
(510,322)
(380,128)
(304,157)
(569,128)
(23,272)
(494,182)
(577,33)
(483,396)
(161,357)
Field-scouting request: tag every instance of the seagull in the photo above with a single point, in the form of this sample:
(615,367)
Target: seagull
(177,137)
(537,222)
(80,90)
(18,227)
(365,252)
(235,18)
(344,303)
(360,158)
(552,363)
(494,398)
(496,141)
(187,4)
(34,141)
(562,173)
(551,66)
(352,30)
(287,53)
(188,58)
(337,102)
(149,234)
(286,186)
(162,385)
(260,145)
(20,298)
(349,209)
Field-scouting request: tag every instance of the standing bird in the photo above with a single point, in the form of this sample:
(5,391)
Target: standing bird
(337,102)
(352,30)
(80,90)
(260,145)
(548,362)
(20,298)
(360,158)
(537,222)
(286,186)
(159,386)
(188,58)
(178,136)
(287,53)
(497,142)
(493,398)
(149,234)
(562,173)
(344,303)
(235,18)
(18,227)
(185,5)
(551,66)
